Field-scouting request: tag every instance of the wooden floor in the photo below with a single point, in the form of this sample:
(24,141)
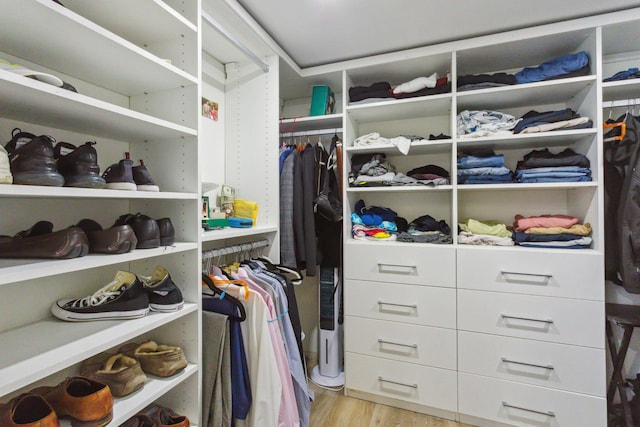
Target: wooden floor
(334,409)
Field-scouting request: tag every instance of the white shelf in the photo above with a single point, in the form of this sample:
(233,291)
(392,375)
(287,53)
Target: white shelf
(37,191)
(32,101)
(528,140)
(26,269)
(549,251)
(524,95)
(526,186)
(436,146)
(71,44)
(302,124)
(399,189)
(623,89)
(394,243)
(48,346)
(228,233)
(398,109)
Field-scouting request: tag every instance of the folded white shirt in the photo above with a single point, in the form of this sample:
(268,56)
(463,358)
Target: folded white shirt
(417,84)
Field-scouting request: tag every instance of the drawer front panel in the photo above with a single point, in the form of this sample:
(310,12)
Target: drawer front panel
(408,343)
(401,263)
(559,366)
(559,320)
(578,275)
(526,405)
(405,381)
(422,305)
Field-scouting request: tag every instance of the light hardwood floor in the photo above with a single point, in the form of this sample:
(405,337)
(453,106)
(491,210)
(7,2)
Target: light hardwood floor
(334,409)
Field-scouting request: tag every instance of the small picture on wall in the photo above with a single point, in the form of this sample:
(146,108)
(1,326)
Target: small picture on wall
(210,109)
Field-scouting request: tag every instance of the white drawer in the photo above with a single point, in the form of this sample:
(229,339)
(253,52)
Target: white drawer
(405,381)
(564,367)
(513,403)
(562,320)
(409,263)
(535,272)
(421,305)
(409,343)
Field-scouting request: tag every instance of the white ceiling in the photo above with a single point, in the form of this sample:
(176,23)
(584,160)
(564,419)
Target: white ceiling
(317,32)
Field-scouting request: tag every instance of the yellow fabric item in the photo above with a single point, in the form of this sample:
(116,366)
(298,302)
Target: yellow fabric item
(246,209)
(381,235)
(490,227)
(577,229)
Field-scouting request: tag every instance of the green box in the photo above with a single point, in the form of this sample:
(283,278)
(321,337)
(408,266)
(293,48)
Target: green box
(219,222)
(322,101)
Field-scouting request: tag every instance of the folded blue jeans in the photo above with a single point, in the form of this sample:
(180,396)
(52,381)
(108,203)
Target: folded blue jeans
(552,68)
(469,162)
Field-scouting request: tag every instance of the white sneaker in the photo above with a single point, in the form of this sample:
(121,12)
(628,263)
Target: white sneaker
(5,169)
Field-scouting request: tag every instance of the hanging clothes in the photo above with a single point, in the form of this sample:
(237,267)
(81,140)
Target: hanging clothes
(216,377)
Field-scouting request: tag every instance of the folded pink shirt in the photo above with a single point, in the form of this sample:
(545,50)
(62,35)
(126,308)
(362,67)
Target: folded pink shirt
(521,223)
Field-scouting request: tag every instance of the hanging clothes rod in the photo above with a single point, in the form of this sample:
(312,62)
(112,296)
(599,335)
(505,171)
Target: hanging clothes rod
(234,249)
(621,103)
(311,132)
(229,37)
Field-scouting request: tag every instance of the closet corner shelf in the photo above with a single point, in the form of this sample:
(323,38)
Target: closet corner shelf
(125,407)
(229,233)
(526,187)
(309,123)
(528,140)
(524,95)
(417,148)
(397,109)
(32,101)
(37,191)
(26,269)
(55,344)
(623,89)
(399,189)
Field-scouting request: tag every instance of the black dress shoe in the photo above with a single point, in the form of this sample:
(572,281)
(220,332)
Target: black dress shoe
(146,229)
(167,232)
(118,239)
(40,241)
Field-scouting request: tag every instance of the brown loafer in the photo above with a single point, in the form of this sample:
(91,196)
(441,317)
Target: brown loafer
(165,417)
(118,239)
(123,374)
(157,359)
(87,403)
(40,241)
(139,420)
(28,410)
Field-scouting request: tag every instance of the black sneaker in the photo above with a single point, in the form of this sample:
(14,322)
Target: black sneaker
(123,298)
(32,160)
(119,176)
(167,232)
(146,229)
(143,179)
(164,294)
(79,165)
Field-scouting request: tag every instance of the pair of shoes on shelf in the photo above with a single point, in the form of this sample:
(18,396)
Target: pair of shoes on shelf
(127,296)
(124,176)
(157,416)
(35,161)
(124,372)
(151,233)
(86,402)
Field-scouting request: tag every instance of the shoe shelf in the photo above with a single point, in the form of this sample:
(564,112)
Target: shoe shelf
(528,186)
(229,233)
(53,345)
(524,95)
(26,269)
(303,124)
(409,108)
(28,100)
(623,89)
(528,140)
(28,191)
(399,189)
(71,44)
(417,148)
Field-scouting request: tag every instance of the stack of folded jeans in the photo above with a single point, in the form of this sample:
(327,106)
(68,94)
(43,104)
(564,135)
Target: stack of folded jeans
(373,222)
(485,233)
(426,229)
(476,124)
(544,166)
(567,119)
(483,81)
(483,168)
(630,73)
(551,231)
(573,65)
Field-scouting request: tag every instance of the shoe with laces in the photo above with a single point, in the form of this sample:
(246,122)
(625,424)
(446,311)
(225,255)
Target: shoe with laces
(79,165)
(32,159)
(119,176)
(5,167)
(123,298)
(164,294)
(28,410)
(143,179)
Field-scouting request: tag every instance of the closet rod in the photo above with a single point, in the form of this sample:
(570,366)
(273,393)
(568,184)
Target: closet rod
(224,33)
(234,249)
(311,132)
(621,103)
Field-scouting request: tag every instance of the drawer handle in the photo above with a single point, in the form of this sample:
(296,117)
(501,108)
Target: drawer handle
(397,383)
(547,413)
(413,306)
(396,268)
(381,341)
(545,277)
(548,321)
(505,360)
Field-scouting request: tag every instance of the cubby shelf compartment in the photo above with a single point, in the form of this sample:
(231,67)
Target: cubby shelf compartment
(91,52)
(527,186)
(228,233)
(623,89)
(310,123)
(28,100)
(399,189)
(524,95)
(528,140)
(26,269)
(53,344)
(27,191)
(427,147)
(398,109)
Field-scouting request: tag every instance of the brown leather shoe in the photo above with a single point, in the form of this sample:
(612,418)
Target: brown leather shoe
(40,241)
(157,359)
(28,410)
(121,373)
(118,239)
(139,420)
(87,403)
(165,417)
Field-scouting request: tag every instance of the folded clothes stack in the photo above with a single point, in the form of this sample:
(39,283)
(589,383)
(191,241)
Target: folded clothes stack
(476,124)
(426,229)
(484,233)
(551,231)
(483,168)
(544,166)
(382,91)
(567,119)
(629,73)
(574,65)
(374,170)
(483,81)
